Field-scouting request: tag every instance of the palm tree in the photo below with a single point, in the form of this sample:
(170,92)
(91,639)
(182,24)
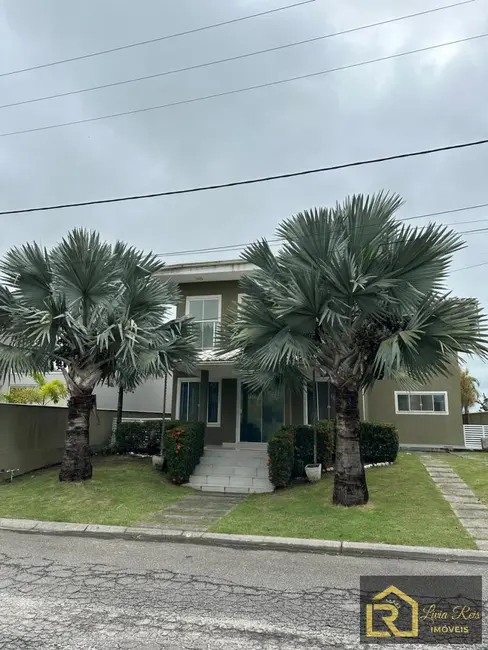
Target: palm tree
(94,310)
(356,296)
(44,392)
(469,391)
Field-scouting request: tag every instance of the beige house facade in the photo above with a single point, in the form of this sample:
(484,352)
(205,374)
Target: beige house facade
(431,415)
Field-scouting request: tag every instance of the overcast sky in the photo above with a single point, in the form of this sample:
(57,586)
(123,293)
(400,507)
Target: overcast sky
(420,101)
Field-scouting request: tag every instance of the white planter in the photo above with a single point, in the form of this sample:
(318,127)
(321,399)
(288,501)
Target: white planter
(313,472)
(484,444)
(158,462)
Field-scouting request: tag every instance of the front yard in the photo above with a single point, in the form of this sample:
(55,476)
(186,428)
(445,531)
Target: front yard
(472,467)
(123,492)
(405,507)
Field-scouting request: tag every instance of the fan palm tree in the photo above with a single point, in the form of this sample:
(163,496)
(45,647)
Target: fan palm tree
(96,311)
(356,296)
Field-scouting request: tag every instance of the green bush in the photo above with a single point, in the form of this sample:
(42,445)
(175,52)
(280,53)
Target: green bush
(379,442)
(183,448)
(304,446)
(143,437)
(281,455)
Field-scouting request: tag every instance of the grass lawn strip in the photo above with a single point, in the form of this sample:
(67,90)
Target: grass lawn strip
(473,469)
(123,492)
(405,508)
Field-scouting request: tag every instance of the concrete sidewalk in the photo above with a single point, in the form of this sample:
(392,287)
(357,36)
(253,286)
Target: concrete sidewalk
(293,545)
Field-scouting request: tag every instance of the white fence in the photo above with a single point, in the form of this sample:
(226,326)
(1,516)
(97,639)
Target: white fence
(473,434)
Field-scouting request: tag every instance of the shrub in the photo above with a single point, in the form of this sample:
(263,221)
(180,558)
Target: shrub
(142,437)
(379,442)
(183,447)
(281,455)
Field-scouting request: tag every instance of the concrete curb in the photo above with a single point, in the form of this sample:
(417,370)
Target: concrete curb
(292,545)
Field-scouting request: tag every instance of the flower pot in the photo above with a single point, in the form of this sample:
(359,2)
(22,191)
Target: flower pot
(158,462)
(484,444)
(313,472)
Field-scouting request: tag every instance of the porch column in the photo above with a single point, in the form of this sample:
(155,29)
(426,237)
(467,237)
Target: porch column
(203,401)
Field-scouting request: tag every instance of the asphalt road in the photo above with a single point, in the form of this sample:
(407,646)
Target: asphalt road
(76,594)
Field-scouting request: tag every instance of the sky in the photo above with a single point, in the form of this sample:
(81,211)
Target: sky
(426,100)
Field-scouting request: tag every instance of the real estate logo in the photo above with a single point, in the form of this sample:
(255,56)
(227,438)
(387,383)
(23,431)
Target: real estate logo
(421,609)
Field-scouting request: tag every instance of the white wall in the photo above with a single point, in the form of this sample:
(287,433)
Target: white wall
(147,397)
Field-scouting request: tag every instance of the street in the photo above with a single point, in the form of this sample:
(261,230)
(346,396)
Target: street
(62,593)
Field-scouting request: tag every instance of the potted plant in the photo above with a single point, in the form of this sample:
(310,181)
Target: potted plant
(314,470)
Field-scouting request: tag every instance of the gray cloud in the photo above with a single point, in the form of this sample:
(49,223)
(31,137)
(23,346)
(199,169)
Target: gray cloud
(424,100)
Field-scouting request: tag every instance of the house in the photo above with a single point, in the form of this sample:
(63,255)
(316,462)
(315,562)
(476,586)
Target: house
(429,416)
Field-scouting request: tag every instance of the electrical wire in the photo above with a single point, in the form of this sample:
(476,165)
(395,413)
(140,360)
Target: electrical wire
(275,240)
(156,40)
(237,91)
(232,58)
(250,181)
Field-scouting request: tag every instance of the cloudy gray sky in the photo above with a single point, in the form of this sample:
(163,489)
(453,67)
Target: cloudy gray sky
(425,100)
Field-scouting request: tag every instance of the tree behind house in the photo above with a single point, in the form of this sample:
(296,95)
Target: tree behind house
(469,391)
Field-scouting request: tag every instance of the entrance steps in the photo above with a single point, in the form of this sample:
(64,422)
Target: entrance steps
(232,468)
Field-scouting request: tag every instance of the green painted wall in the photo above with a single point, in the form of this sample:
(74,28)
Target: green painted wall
(420,429)
(228,291)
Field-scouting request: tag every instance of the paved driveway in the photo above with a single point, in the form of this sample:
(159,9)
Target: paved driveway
(74,594)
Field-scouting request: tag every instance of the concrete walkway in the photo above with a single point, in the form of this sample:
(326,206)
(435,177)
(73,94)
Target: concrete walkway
(195,512)
(472,514)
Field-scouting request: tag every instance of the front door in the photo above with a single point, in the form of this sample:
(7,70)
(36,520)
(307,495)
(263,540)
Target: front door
(261,415)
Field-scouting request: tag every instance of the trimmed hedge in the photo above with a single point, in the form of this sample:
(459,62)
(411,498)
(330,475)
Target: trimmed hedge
(304,446)
(183,447)
(142,437)
(281,456)
(294,445)
(379,442)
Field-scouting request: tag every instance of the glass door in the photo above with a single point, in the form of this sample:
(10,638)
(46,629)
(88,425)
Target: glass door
(261,415)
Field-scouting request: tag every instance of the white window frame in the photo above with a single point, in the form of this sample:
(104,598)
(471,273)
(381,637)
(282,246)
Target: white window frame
(197,380)
(305,400)
(422,392)
(219,317)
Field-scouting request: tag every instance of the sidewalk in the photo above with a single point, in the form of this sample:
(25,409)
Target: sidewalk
(249,542)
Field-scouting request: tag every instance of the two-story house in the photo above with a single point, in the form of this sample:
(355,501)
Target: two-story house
(429,416)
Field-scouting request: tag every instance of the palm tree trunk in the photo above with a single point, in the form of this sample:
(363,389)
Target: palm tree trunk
(350,487)
(120,405)
(76,464)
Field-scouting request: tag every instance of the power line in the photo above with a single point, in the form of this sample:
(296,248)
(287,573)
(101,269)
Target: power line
(251,181)
(276,240)
(156,40)
(471,266)
(233,58)
(237,91)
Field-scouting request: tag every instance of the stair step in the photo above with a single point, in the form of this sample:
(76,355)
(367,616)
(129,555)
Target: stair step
(220,470)
(228,489)
(229,481)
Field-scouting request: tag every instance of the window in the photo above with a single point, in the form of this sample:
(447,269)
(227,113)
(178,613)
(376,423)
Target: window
(188,401)
(421,403)
(206,318)
(326,397)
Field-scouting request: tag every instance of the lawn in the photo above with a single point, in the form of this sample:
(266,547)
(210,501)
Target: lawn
(122,492)
(405,508)
(473,469)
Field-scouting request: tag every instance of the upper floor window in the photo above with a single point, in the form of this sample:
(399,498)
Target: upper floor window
(206,312)
(421,402)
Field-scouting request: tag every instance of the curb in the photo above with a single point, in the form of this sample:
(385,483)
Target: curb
(253,542)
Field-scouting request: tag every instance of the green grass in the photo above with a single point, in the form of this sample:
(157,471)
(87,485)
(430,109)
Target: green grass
(405,508)
(122,492)
(473,469)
